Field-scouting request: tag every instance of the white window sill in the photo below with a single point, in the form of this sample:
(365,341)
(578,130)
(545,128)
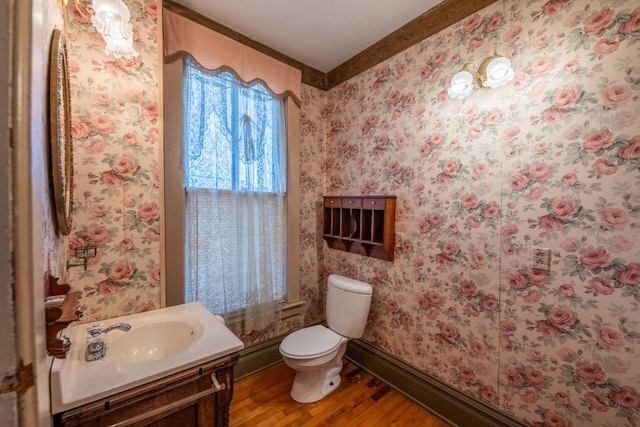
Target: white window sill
(287,310)
(291,309)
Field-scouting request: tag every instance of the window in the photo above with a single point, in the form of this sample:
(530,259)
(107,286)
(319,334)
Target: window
(235,180)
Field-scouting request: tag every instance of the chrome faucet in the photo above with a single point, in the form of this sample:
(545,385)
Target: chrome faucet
(96,348)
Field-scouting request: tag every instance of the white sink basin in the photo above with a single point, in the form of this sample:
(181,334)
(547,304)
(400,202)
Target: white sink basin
(159,343)
(155,341)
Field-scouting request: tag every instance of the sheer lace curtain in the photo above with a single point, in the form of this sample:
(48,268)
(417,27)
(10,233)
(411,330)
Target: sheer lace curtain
(235,177)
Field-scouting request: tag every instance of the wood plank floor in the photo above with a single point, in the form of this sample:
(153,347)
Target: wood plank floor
(360,400)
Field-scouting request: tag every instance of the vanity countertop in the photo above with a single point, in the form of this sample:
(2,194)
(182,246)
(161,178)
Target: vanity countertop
(131,362)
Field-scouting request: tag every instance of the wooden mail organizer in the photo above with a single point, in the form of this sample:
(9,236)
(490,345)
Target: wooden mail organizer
(361,225)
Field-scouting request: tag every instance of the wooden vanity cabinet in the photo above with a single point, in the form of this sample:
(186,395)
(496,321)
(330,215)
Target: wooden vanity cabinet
(187,398)
(363,225)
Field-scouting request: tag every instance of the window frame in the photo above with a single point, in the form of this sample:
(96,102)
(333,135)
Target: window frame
(173,246)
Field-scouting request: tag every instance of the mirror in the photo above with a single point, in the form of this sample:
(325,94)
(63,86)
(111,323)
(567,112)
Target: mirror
(60,132)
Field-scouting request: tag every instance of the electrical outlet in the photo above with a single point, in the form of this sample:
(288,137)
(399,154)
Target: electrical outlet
(541,259)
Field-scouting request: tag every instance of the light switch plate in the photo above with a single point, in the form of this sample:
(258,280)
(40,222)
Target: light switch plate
(541,259)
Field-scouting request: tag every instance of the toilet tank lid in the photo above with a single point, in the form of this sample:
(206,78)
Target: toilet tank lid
(350,285)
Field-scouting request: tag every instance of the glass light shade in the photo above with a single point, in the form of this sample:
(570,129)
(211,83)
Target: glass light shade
(112,20)
(461,85)
(498,72)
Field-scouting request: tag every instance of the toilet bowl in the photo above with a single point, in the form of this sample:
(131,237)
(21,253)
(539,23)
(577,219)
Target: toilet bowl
(316,352)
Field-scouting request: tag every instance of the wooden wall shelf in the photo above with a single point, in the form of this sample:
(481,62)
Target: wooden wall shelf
(363,225)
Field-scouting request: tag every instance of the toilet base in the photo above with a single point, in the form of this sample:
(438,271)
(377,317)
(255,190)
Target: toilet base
(311,386)
(313,382)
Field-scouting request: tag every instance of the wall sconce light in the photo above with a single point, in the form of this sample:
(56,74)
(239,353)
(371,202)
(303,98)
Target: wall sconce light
(113,21)
(494,71)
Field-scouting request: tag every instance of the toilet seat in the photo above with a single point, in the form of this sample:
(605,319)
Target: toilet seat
(312,342)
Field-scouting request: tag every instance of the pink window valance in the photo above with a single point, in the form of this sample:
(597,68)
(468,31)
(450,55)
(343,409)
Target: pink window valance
(213,51)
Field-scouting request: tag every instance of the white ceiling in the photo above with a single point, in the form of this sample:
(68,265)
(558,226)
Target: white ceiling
(320,33)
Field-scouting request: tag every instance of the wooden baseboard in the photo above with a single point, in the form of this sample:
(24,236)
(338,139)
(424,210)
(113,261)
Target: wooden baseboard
(442,400)
(439,398)
(258,357)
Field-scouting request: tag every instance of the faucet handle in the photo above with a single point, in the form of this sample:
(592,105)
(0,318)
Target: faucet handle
(95,330)
(66,343)
(95,340)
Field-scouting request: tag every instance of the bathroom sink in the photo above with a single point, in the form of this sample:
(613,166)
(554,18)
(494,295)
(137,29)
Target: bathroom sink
(155,341)
(160,343)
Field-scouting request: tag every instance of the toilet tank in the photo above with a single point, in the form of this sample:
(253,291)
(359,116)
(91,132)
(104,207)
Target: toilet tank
(348,303)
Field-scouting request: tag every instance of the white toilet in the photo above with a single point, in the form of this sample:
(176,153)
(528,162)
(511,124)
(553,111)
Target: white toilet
(316,352)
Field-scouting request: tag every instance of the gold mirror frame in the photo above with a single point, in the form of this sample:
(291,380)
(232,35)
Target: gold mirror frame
(60,132)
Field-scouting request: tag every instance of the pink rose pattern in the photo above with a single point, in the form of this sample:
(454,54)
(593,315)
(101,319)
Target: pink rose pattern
(115,130)
(551,160)
(115,104)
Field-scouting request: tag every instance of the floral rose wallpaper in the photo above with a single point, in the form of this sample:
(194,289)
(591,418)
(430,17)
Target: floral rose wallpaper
(552,160)
(312,247)
(116,158)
